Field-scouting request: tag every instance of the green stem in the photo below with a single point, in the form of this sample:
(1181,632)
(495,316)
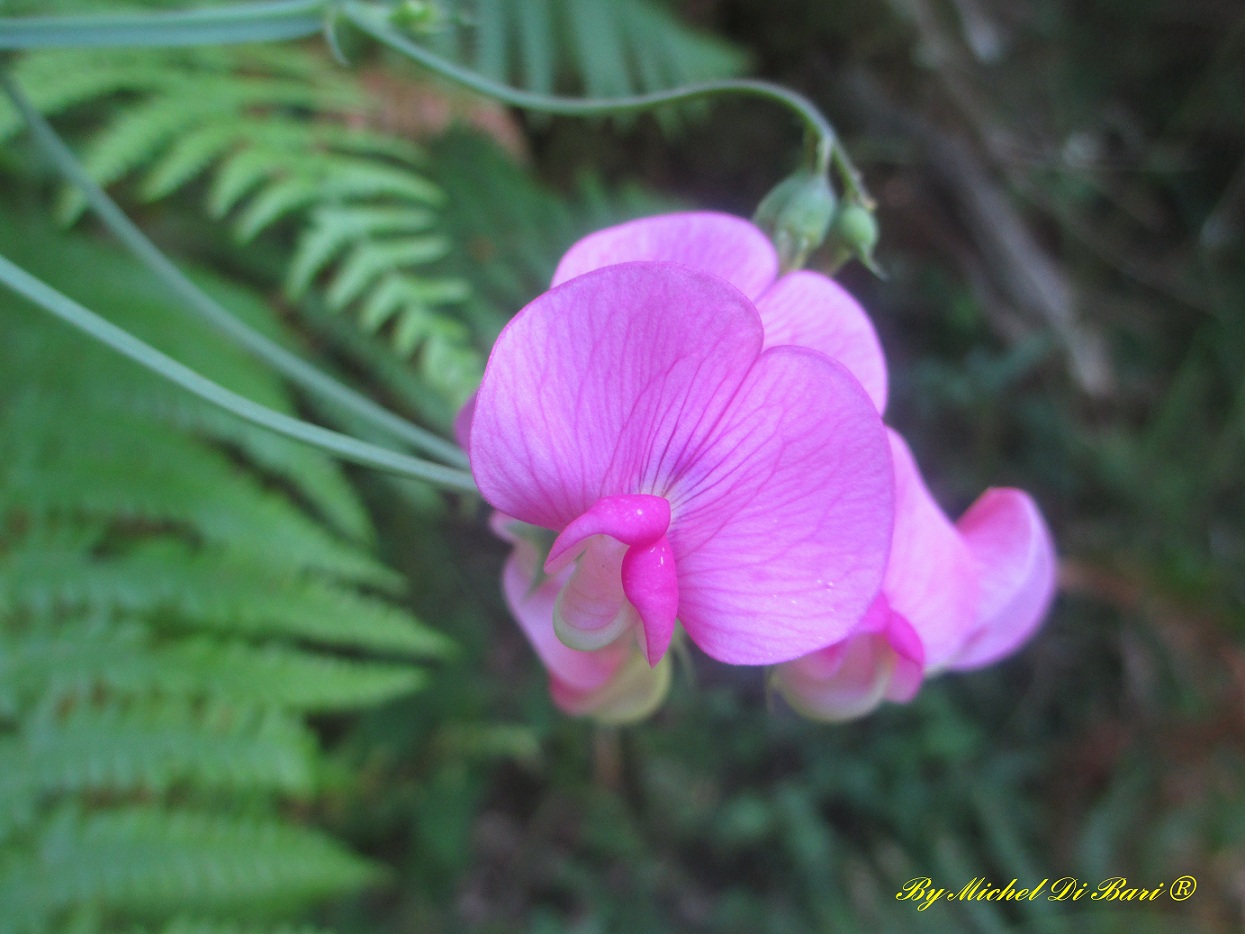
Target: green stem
(288,19)
(290,365)
(343,446)
(250,22)
(374,20)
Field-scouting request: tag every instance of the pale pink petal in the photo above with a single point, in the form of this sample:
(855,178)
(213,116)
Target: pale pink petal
(633,692)
(931,579)
(614,684)
(592,610)
(882,660)
(841,682)
(726,246)
(811,310)
(1012,546)
(909,660)
(782,524)
(608,385)
(532,608)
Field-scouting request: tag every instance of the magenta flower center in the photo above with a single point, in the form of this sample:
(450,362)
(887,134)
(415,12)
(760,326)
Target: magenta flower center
(646,569)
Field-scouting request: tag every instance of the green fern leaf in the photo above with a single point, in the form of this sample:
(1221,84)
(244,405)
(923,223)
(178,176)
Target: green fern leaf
(353,177)
(237,176)
(195,489)
(370,260)
(274,202)
(208,592)
(139,132)
(149,859)
(148,749)
(189,156)
(332,229)
(72,661)
(606,47)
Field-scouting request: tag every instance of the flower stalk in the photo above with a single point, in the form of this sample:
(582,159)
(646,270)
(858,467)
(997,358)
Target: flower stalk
(297,370)
(343,446)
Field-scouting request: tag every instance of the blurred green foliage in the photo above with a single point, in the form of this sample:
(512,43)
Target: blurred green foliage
(1062,199)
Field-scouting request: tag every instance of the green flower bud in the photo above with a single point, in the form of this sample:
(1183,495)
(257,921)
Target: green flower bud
(417,17)
(797,213)
(855,233)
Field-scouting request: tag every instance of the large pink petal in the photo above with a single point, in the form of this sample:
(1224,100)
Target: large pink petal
(1013,548)
(808,309)
(781,526)
(726,246)
(608,385)
(932,577)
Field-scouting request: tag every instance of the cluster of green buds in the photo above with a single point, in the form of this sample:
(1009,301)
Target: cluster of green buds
(802,212)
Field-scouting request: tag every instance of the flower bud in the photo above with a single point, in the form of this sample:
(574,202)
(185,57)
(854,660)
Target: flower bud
(797,213)
(855,233)
(417,17)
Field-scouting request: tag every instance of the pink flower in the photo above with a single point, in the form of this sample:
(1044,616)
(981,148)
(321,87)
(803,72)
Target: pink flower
(685,479)
(954,596)
(689,470)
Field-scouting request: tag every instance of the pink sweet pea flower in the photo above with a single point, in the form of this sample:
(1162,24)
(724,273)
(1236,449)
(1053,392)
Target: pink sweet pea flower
(954,597)
(689,471)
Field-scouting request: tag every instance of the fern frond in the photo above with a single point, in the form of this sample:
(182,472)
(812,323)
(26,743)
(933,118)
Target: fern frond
(277,136)
(123,749)
(149,859)
(239,175)
(207,591)
(369,261)
(196,489)
(332,229)
(80,660)
(108,410)
(605,47)
(187,158)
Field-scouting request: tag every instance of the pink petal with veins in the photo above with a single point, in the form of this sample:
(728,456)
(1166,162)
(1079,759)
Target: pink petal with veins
(811,310)
(782,525)
(1013,549)
(726,246)
(931,580)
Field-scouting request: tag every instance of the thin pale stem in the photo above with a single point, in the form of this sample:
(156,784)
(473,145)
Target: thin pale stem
(374,20)
(249,22)
(290,365)
(124,343)
(287,19)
